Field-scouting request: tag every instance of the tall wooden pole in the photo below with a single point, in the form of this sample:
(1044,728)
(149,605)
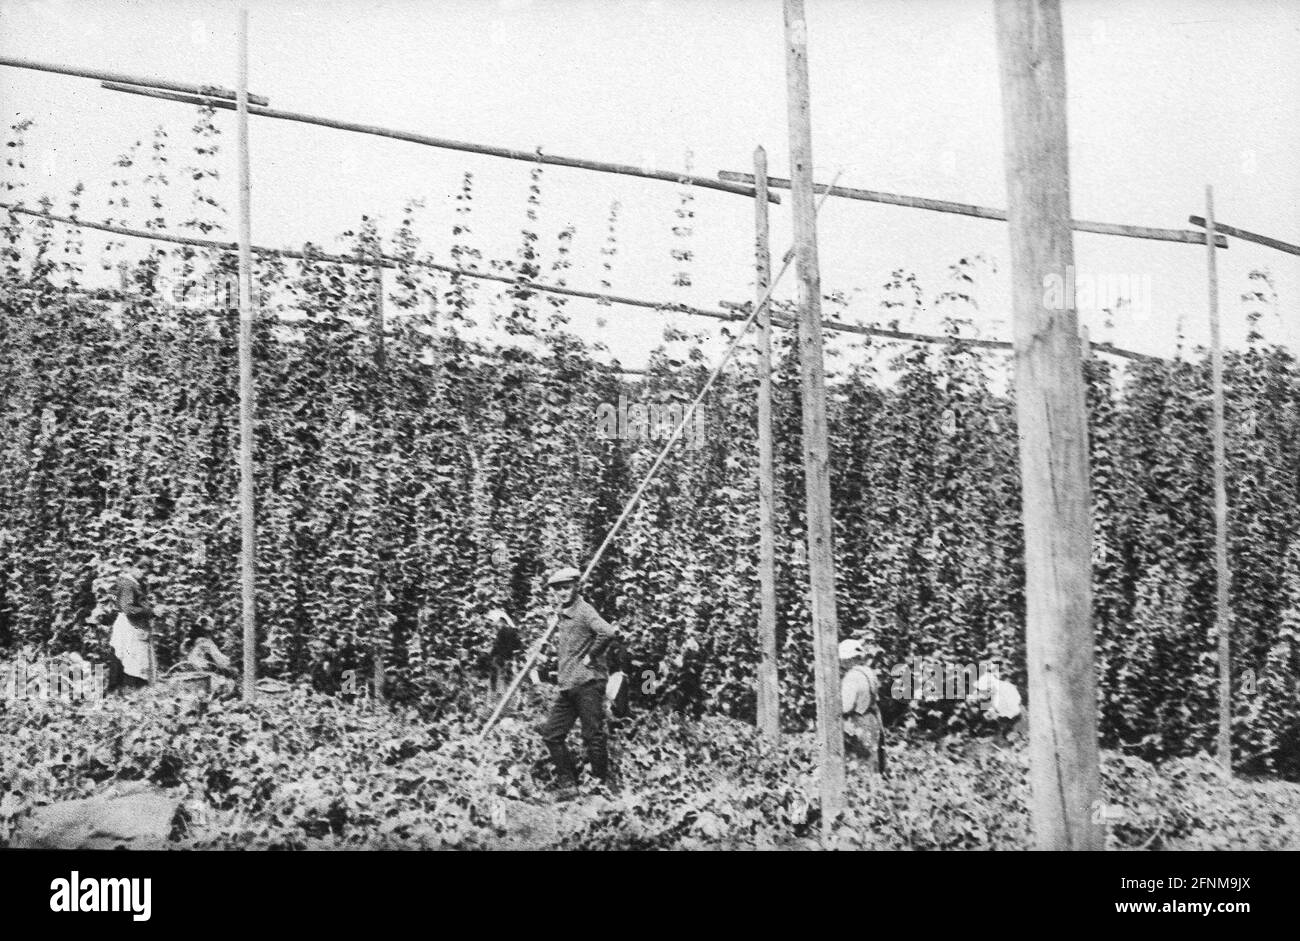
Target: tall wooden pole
(821,558)
(1053,432)
(379,431)
(247,392)
(769,687)
(1221,620)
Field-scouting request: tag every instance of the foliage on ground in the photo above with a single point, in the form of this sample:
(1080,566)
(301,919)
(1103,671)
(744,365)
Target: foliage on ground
(306,771)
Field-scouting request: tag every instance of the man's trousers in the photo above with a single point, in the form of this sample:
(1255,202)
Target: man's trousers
(585,704)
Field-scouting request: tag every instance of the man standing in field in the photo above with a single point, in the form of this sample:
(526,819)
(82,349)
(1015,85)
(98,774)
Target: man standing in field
(580,638)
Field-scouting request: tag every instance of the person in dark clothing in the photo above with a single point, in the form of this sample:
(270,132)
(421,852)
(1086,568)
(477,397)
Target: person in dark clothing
(496,663)
(581,637)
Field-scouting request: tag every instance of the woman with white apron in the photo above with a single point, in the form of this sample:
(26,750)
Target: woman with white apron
(132,636)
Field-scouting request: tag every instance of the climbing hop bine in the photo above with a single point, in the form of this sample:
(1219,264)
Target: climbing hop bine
(536,649)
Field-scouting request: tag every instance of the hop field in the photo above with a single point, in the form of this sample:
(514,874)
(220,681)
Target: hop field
(307,771)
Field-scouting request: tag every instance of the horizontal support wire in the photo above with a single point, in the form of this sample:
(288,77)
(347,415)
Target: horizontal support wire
(885,334)
(733,312)
(983,212)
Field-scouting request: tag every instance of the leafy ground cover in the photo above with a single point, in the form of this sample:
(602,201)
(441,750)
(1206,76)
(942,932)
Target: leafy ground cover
(308,771)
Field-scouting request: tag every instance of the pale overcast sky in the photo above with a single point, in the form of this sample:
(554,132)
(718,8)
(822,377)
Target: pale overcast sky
(1165,97)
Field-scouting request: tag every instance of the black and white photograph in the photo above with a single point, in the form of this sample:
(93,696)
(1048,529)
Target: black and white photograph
(673,425)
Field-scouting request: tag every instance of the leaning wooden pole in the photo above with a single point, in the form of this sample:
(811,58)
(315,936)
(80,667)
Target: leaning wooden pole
(1053,432)
(1222,622)
(821,557)
(769,686)
(247,390)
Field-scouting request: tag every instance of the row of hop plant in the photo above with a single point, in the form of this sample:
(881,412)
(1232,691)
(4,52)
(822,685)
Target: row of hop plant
(413,474)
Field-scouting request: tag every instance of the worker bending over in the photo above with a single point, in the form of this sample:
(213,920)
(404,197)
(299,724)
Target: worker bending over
(204,656)
(1001,705)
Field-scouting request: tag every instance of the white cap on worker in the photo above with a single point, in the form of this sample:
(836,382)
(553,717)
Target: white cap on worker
(562,575)
(497,616)
(850,649)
